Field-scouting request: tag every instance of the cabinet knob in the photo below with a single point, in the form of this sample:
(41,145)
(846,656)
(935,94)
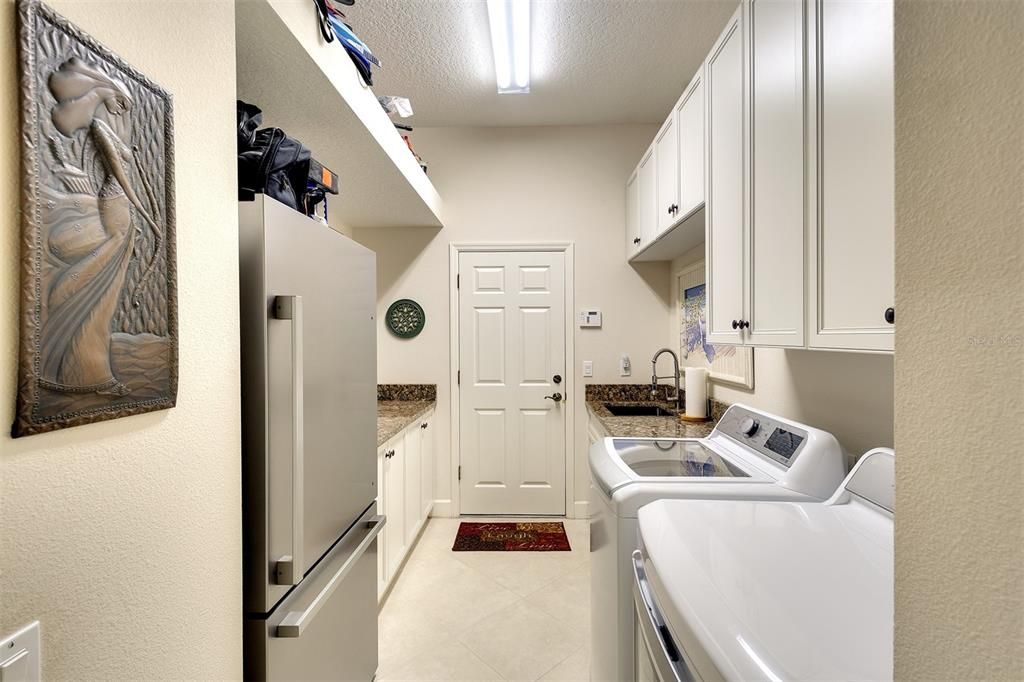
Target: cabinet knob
(636,240)
(744,324)
(890,315)
(735,324)
(423,425)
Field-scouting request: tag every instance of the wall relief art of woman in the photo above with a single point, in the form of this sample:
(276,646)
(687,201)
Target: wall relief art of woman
(100,304)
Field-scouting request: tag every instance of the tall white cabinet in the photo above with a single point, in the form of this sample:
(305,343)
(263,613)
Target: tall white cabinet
(775,226)
(726,276)
(851,243)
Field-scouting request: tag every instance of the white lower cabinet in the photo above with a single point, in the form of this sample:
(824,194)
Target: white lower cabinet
(403,464)
(427,466)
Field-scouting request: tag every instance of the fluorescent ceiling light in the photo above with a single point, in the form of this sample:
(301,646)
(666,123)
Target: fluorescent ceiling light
(510,40)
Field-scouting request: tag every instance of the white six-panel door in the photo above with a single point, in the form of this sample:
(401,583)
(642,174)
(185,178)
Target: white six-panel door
(511,347)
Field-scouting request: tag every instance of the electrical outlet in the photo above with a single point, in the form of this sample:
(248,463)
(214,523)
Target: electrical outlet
(625,369)
(588,368)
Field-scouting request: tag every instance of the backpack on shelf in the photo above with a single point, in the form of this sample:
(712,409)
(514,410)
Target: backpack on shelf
(270,162)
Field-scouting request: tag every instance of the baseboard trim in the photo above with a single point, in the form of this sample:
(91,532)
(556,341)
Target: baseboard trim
(443,509)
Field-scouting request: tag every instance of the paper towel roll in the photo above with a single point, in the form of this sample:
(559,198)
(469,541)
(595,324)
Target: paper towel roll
(696,392)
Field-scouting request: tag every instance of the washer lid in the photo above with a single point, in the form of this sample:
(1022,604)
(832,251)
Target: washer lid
(674,458)
(775,590)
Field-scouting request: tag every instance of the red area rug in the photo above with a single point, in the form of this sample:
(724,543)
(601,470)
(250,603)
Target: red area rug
(511,537)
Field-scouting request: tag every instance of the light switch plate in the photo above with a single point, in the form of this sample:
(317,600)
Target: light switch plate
(588,368)
(20,655)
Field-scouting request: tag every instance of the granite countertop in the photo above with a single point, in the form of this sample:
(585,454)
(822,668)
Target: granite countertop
(646,427)
(395,415)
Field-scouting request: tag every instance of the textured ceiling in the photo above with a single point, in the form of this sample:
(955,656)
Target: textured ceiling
(594,61)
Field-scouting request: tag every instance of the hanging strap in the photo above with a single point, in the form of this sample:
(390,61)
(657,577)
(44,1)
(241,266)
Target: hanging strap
(323,14)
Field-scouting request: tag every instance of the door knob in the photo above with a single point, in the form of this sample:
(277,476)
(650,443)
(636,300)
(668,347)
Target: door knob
(557,397)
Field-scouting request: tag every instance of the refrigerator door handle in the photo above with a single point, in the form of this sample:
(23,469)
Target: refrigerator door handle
(288,569)
(296,621)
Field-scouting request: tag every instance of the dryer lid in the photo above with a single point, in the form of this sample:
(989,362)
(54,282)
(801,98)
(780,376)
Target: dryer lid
(775,590)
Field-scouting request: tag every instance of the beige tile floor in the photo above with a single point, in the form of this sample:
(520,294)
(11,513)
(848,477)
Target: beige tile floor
(488,615)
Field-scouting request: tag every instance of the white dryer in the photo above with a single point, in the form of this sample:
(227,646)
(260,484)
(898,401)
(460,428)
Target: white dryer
(750,455)
(770,590)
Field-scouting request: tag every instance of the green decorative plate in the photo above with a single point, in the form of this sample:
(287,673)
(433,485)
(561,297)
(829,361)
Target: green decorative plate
(405,318)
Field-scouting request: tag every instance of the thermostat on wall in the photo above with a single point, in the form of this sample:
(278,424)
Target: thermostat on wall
(590,318)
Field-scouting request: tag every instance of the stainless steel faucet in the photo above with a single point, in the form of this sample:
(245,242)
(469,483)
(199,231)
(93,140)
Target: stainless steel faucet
(675,376)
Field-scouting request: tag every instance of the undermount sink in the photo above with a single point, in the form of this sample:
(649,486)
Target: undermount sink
(620,410)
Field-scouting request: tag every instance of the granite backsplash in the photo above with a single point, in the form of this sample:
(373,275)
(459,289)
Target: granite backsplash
(406,391)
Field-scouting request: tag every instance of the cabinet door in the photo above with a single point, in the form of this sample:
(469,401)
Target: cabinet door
(382,541)
(724,212)
(666,159)
(646,198)
(633,236)
(853,238)
(776,229)
(412,481)
(690,121)
(394,475)
(427,466)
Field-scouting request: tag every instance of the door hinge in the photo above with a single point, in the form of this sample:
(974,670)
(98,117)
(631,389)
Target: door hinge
(458,377)
(460,472)
(457,282)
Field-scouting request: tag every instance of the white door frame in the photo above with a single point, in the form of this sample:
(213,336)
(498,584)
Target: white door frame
(568,249)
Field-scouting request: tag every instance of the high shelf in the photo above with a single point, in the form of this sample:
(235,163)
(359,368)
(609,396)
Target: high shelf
(311,89)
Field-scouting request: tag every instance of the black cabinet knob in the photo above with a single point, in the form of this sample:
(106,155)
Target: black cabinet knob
(890,315)
(735,324)
(744,324)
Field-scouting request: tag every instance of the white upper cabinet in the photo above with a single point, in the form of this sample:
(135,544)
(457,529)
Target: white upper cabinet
(647,190)
(776,225)
(851,279)
(689,115)
(780,155)
(724,213)
(666,154)
(633,237)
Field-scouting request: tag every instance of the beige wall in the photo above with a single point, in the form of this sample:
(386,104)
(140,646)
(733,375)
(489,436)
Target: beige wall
(960,331)
(124,537)
(847,394)
(525,185)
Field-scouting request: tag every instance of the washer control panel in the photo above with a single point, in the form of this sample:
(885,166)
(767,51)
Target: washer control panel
(771,438)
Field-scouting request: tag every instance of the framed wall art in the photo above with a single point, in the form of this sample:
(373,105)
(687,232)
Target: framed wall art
(98,291)
(732,365)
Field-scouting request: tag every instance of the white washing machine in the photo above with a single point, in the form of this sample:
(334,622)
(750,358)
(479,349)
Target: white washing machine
(769,590)
(750,455)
